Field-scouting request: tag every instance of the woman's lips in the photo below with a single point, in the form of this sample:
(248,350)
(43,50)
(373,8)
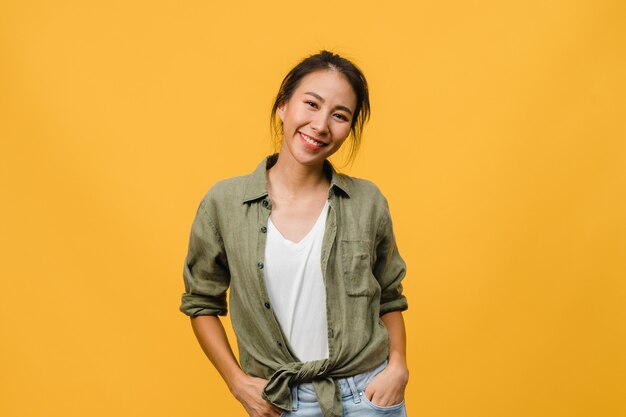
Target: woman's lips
(311,143)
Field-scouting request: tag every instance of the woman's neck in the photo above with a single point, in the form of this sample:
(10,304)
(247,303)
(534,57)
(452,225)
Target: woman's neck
(291,179)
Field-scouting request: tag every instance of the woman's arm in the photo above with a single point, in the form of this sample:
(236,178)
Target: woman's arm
(246,389)
(387,388)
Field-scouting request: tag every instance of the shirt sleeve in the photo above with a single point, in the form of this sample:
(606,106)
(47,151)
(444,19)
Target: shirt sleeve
(205,273)
(389,267)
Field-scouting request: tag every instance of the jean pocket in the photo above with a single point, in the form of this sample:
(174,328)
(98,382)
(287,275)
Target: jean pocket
(386,408)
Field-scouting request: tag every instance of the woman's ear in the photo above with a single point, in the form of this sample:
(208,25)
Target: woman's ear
(280,110)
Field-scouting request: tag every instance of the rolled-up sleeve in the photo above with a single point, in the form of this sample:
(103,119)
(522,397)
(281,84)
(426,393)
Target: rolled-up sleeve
(389,268)
(205,273)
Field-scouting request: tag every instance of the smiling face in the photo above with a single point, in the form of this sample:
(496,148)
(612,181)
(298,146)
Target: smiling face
(317,118)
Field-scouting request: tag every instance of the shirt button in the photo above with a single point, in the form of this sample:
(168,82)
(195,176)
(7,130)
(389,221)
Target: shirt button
(263,229)
(280,344)
(265,203)
(267,305)
(260,265)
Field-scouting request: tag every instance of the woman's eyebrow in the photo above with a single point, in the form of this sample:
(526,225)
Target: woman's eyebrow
(317,96)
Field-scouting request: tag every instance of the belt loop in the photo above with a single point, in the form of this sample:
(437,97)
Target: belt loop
(294,398)
(355,392)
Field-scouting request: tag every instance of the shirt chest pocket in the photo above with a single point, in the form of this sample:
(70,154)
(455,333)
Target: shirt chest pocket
(357,268)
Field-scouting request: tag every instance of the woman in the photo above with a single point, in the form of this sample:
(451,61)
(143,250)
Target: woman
(311,262)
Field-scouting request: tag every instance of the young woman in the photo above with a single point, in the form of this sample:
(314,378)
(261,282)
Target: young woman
(311,262)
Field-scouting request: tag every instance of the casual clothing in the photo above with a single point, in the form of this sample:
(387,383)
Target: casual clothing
(354,402)
(295,285)
(362,272)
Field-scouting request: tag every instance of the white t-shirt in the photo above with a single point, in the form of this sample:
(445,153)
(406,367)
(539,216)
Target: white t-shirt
(294,281)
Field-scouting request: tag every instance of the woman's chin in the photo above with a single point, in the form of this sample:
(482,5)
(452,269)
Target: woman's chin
(307,157)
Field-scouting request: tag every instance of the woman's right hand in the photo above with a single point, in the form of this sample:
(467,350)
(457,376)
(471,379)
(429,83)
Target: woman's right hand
(248,391)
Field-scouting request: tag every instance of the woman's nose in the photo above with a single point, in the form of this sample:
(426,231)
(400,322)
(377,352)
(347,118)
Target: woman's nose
(320,123)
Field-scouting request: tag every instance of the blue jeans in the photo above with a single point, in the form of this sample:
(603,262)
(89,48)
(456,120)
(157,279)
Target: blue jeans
(355,404)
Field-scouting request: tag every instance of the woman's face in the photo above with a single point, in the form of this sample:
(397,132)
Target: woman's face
(317,117)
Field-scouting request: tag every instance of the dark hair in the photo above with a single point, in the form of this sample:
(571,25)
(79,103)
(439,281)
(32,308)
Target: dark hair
(325,60)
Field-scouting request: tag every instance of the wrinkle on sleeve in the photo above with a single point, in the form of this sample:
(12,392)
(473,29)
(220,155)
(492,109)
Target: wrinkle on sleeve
(205,273)
(389,267)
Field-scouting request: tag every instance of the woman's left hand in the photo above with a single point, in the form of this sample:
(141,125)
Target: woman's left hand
(387,388)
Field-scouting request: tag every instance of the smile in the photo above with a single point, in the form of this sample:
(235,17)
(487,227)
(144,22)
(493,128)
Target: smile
(309,140)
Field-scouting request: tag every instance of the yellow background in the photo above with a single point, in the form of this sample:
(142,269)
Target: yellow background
(498,134)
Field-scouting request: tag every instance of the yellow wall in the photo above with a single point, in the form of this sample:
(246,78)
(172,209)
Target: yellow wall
(498,134)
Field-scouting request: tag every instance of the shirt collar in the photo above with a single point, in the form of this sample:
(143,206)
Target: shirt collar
(256,187)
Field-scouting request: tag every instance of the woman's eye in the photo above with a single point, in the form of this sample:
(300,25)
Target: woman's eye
(342,117)
(311,103)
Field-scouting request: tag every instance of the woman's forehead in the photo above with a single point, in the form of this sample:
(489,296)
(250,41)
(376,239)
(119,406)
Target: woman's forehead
(328,85)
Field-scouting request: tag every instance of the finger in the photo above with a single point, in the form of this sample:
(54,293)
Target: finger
(273,410)
(383,399)
(387,401)
(375,398)
(379,401)
(276,413)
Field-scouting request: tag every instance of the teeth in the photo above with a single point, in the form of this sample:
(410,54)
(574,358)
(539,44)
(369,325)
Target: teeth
(312,141)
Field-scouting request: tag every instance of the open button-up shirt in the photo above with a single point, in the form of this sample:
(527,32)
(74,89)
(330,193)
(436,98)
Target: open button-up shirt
(362,271)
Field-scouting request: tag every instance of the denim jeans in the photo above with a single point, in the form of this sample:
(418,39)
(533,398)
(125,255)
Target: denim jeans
(355,403)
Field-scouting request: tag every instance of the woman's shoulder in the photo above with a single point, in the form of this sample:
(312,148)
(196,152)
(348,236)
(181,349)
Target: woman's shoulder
(224,192)
(357,187)
(228,186)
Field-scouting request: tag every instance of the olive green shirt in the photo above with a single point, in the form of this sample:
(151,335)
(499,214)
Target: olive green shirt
(362,272)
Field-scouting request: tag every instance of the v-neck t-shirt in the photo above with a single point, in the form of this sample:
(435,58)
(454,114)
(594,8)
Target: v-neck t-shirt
(295,285)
